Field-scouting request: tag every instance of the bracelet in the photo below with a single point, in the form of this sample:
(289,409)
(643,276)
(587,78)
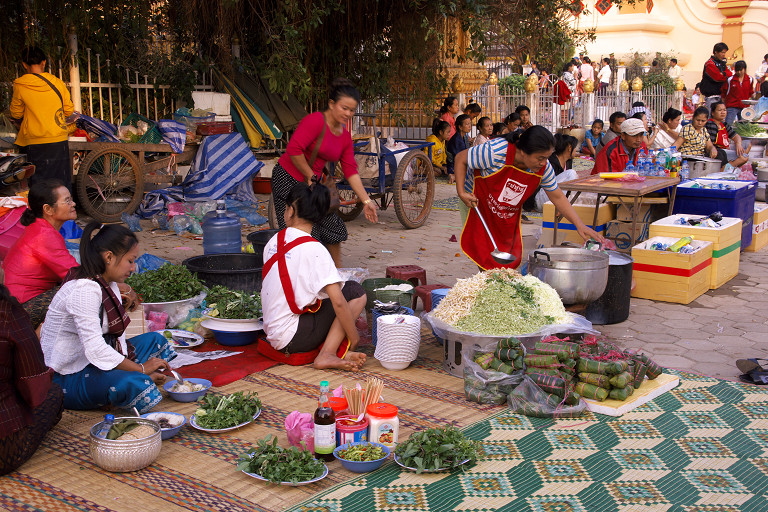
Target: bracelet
(142,368)
(366,201)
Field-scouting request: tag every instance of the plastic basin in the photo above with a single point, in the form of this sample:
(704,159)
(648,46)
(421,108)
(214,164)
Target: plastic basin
(361,467)
(240,271)
(260,238)
(235,338)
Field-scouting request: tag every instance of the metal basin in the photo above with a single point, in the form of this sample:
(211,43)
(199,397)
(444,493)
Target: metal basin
(578,275)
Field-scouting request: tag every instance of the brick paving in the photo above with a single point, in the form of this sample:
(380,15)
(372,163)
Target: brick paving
(706,336)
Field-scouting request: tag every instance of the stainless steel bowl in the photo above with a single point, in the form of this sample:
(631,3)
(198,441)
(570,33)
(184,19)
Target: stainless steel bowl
(579,276)
(128,455)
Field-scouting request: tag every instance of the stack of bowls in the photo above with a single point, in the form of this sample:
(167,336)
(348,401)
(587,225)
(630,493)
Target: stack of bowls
(399,338)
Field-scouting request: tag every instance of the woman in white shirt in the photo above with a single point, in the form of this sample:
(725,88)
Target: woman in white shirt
(669,129)
(83,336)
(306,304)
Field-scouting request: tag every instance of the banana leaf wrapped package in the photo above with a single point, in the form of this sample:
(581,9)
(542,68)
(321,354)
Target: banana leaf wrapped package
(529,399)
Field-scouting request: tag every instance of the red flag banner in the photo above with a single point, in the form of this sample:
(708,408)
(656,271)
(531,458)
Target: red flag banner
(649,6)
(603,6)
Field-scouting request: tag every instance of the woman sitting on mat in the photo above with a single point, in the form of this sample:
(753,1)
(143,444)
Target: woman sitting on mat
(305,302)
(30,404)
(38,261)
(83,337)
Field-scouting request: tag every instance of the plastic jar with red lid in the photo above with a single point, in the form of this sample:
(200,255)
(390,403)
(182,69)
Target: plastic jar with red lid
(383,424)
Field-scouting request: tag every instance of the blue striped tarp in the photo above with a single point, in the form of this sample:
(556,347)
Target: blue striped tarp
(222,164)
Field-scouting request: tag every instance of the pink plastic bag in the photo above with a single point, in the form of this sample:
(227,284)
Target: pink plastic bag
(300,427)
(156,320)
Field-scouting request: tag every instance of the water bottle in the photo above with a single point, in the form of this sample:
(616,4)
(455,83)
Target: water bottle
(630,168)
(221,234)
(109,420)
(685,171)
(641,170)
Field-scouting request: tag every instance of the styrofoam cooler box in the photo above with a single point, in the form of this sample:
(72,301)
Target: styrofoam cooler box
(566,232)
(216,102)
(726,242)
(739,202)
(671,276)
(759,228)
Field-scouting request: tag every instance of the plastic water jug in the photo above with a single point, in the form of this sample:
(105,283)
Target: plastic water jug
(221,234)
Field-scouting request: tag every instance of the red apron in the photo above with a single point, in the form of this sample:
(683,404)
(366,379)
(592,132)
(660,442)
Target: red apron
(500,200)
(282,268)
(721,141)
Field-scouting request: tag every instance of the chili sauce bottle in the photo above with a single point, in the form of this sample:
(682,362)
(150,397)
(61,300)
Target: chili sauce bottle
(325,425)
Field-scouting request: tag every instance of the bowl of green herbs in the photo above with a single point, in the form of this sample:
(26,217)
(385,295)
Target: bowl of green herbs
(436,449)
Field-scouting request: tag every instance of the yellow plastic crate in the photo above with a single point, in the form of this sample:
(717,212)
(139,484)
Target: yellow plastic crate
(566,232)
(759,229)
(668,276)
(726,243)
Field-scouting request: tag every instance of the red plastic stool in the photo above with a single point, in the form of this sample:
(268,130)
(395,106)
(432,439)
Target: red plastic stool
(413,273)
(425,292)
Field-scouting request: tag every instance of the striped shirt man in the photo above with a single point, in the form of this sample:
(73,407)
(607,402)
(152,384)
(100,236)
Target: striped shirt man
(489,158)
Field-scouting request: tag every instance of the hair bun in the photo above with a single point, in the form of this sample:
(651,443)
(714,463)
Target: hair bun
(342,82)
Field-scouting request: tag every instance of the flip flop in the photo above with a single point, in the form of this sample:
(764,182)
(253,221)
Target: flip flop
(758,378)
(749,365)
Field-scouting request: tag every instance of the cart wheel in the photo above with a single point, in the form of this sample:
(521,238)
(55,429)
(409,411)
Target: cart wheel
(414,189)
(109,183)
(347,212)
(272,213)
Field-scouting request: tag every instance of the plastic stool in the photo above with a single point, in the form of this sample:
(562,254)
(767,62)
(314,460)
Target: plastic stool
(413,273)
(425,292)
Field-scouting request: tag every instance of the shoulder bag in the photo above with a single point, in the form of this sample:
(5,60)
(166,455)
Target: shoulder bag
(58,117)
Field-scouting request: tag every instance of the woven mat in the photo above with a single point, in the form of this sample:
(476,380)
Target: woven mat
(196,471)
(702,447)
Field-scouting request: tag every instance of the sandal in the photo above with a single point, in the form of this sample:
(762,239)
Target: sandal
(748,366)
(756,377)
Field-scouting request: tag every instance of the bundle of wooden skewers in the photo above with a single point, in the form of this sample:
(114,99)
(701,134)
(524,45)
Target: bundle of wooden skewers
(359,398)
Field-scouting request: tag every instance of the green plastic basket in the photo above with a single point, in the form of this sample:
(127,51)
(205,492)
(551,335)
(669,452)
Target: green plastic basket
(369,285)
(153,135)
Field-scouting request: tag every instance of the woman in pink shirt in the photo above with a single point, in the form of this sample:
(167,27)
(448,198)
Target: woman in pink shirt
(328,127)
(448,113)
(37,263)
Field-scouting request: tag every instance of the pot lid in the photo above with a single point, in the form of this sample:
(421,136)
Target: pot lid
(618,258)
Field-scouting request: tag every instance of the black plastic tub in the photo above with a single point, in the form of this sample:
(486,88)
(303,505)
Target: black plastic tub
(260,238)
(239,271)
(613,305)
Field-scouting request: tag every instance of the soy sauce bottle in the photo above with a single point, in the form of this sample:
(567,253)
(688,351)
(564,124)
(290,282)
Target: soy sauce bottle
(325,425)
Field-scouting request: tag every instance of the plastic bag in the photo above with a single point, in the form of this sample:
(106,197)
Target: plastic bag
(177,311)
(149,262)
(487,386)
(160,221)
(181,223)
(299,426)
(354,274)
(132,221)
(156,320)
(529,399)
(70,230)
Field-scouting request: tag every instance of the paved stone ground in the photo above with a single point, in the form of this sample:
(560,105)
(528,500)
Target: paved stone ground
(706,336)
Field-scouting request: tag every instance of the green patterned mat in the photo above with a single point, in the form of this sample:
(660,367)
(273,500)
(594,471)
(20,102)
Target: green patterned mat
(702,447)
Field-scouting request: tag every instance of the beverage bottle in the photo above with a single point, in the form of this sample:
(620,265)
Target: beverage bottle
(675,247)
(685,171)
(325,425)
(630,168)
(109,420)
(221,234)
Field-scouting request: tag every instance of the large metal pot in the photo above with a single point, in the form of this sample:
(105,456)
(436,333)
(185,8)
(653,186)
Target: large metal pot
(578,275)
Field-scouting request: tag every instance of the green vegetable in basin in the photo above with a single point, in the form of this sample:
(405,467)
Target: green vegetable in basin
(233,304)
(166,284)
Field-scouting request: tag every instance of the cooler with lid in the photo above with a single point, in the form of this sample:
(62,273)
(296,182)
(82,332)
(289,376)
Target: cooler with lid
(739,202)
(726,241)
(759,228)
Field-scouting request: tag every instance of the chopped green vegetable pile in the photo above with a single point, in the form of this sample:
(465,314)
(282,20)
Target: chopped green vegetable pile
(277,464)
(363,452)
(233,304)
(166,284)
(217,412)
(437,448)
(746,129)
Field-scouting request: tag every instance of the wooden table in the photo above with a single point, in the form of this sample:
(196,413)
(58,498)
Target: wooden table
(634,189)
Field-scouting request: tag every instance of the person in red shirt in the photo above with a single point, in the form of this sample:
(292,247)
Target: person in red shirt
(715,74)
(615,156)
(736,89)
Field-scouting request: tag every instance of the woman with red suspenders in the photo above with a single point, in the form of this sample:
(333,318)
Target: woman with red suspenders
(304,300)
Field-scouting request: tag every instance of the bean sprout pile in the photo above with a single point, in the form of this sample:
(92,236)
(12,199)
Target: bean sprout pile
(501,302)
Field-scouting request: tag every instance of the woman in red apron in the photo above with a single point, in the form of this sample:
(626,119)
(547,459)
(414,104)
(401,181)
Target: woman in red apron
(306,304)
(504,173)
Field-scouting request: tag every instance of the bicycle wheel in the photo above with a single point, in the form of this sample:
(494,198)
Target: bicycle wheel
(414,189)
(350,207)
(109,183)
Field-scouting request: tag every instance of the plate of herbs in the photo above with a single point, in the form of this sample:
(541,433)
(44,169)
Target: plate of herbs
(169,283)
(222,413)
(436,449)
(291,466)
(225,304)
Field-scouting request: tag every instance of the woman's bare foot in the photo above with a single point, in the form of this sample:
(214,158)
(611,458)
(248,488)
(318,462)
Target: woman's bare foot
(357,358)
(325,361)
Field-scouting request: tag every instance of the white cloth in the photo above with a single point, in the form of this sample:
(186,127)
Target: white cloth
(675,72)
(311,269)
(72,335)
(663,140)
(480,139)
(605,74)
(762,69)
(587,72)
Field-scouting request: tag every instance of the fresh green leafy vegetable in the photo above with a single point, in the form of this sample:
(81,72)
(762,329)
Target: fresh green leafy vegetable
(166,284)
(233,304)
(216,412)
(437,448)
(746,129)
(277,464)
(362,452)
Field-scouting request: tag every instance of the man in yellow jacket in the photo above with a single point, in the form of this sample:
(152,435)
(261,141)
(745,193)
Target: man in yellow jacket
(42,103)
